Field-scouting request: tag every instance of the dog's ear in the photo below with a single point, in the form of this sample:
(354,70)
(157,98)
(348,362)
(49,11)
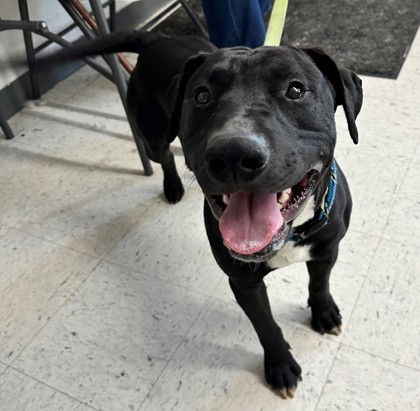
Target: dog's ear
(347,86)
(190,66)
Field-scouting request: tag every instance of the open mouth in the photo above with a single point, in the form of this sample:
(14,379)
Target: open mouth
(254,226)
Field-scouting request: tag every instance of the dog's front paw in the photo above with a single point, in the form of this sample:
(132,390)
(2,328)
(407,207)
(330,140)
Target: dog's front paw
(283,375)
(326,317)
(173,190)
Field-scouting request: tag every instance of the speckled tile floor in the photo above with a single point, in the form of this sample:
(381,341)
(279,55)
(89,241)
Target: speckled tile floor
(111,300)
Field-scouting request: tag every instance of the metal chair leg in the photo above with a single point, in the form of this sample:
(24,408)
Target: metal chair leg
(30,53)
(6,128)
(120,82)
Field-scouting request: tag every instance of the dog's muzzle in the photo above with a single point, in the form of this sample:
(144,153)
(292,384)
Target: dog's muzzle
(254,226)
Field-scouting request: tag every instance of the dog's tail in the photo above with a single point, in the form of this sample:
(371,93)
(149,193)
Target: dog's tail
(123,41)
(134,41)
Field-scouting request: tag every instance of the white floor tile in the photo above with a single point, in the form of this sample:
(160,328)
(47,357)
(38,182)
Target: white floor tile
(415,46)
(374,184)
(170,243)
(360,381)
(109,344)
(3,230)
(91,211)
(2,368)
(73,134)
(36,279)
(416,155)
(26,181)
(385,320)
(387,129)
(408,81)
(80,80)
(404,220)
(105,99)
(219,366)
(22,393)
(85,205)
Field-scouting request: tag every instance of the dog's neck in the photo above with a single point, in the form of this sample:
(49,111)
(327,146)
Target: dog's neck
(306,228)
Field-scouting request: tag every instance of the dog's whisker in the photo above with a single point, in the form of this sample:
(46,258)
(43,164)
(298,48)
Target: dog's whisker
(190,180)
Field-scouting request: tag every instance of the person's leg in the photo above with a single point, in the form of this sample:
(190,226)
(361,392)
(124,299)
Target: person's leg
(236,22)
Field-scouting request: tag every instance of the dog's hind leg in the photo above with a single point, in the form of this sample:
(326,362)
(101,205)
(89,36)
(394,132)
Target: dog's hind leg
(172,184)
(151,124)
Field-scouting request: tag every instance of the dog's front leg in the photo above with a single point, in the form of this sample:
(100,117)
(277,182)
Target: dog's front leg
(325,313)
(281,370)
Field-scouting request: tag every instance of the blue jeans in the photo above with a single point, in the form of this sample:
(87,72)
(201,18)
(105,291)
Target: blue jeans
(233,23)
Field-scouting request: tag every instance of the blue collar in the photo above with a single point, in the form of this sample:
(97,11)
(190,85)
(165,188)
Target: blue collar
(322,215)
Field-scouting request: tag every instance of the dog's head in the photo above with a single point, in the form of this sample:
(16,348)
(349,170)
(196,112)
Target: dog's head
(257,129)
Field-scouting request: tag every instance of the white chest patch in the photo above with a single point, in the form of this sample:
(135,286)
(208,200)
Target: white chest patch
(290,254)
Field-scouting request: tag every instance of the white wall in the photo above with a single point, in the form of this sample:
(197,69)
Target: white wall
(11,42)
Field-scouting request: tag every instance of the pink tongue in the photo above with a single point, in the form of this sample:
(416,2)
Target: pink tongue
(250,221)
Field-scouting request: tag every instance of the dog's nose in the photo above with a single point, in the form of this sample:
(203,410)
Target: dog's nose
(240,159)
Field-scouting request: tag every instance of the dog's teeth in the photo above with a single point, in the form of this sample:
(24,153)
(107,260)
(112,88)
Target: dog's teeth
(284,196)
(225,199)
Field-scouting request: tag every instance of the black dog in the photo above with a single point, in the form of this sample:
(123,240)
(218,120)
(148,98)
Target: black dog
(257,130)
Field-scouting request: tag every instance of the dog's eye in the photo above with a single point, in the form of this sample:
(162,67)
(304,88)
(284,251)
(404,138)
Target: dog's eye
(202,96)
(295,91)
